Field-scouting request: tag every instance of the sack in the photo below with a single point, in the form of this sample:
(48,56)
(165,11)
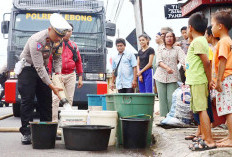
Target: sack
(180,112)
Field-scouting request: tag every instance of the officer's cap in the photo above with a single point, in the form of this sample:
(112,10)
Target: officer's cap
(59,24)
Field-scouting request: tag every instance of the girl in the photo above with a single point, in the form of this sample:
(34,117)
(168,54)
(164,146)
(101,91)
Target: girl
(221,24)
(144,67)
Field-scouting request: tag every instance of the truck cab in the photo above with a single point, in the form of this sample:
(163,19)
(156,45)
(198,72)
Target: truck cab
(90,33)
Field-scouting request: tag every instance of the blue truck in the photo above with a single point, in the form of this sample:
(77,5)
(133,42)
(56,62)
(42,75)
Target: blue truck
(90,33)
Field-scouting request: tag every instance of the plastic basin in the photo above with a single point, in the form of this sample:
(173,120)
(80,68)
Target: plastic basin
(86,137)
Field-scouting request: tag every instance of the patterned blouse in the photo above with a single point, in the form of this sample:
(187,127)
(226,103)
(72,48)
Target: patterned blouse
(170,57)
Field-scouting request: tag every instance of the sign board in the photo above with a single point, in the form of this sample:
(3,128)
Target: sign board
(172,11)
(191,5)
(132,39)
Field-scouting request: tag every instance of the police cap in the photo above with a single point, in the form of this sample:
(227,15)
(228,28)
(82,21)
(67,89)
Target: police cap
(59,24)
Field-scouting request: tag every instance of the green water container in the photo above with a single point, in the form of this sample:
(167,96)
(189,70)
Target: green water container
(129,104)
(110,102)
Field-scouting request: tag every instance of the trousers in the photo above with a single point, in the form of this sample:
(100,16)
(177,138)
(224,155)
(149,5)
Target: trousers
(147,85)
(69,81)
(165,91)
(29,86)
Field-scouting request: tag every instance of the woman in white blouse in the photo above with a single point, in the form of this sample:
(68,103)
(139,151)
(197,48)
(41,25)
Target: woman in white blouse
(166,75)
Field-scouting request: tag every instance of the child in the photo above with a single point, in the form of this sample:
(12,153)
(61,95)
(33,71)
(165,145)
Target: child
(198,72)
(144,67)
(211,40)
(221,24)
(212,43)
(184,43)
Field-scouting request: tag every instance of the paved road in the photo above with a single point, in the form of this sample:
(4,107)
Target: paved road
(10,145)
(169,143)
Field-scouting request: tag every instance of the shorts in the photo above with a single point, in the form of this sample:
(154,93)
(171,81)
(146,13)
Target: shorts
(209,111)
(199,97)
(224,98)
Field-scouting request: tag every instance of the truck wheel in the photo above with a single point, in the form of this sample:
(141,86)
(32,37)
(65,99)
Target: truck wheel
(6,104)
(1,104)
(16,109)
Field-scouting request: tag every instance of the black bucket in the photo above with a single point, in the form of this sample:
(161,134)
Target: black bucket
(86,137)
(43,135)
(134,132)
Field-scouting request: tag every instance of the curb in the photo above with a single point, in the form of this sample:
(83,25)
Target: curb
(9,129)
(6,116)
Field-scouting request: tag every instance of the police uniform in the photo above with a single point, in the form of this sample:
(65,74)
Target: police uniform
(34,79)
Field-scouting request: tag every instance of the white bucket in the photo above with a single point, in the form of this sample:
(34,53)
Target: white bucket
(95,108)
(109,118)
(72,117)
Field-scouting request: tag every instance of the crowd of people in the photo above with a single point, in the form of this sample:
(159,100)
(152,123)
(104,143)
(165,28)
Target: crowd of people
(201,59)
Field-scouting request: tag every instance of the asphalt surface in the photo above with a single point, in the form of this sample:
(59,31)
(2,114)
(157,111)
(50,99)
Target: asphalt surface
(10,145)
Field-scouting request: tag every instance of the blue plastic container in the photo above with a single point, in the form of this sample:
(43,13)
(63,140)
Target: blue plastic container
(103,102)
(97,100)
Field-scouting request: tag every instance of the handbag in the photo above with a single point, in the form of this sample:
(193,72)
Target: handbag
(182,74)
(116,69)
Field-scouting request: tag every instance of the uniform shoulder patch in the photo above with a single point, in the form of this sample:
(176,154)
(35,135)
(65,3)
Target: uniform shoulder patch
(39,46)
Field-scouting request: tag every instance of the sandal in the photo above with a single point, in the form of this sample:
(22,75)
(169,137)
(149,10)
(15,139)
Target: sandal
(196,139)
(204,146)
(190,137)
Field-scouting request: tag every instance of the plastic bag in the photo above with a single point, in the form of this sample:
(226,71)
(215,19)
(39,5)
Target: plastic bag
(180,113)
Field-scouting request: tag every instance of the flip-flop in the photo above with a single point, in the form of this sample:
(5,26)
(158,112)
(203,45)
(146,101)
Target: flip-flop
(190,137)
(196,146)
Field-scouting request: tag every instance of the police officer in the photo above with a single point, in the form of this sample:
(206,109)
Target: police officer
(34,79)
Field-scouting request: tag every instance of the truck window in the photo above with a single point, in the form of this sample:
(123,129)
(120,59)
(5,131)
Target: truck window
(87,33)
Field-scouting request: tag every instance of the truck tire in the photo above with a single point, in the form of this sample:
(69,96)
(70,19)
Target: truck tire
(6,104)
(1,104)
(16,109)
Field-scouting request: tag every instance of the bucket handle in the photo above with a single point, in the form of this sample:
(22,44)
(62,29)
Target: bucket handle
(126,99)
(138,115)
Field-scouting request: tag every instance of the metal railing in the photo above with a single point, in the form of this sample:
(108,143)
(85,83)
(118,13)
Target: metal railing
(77,5)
